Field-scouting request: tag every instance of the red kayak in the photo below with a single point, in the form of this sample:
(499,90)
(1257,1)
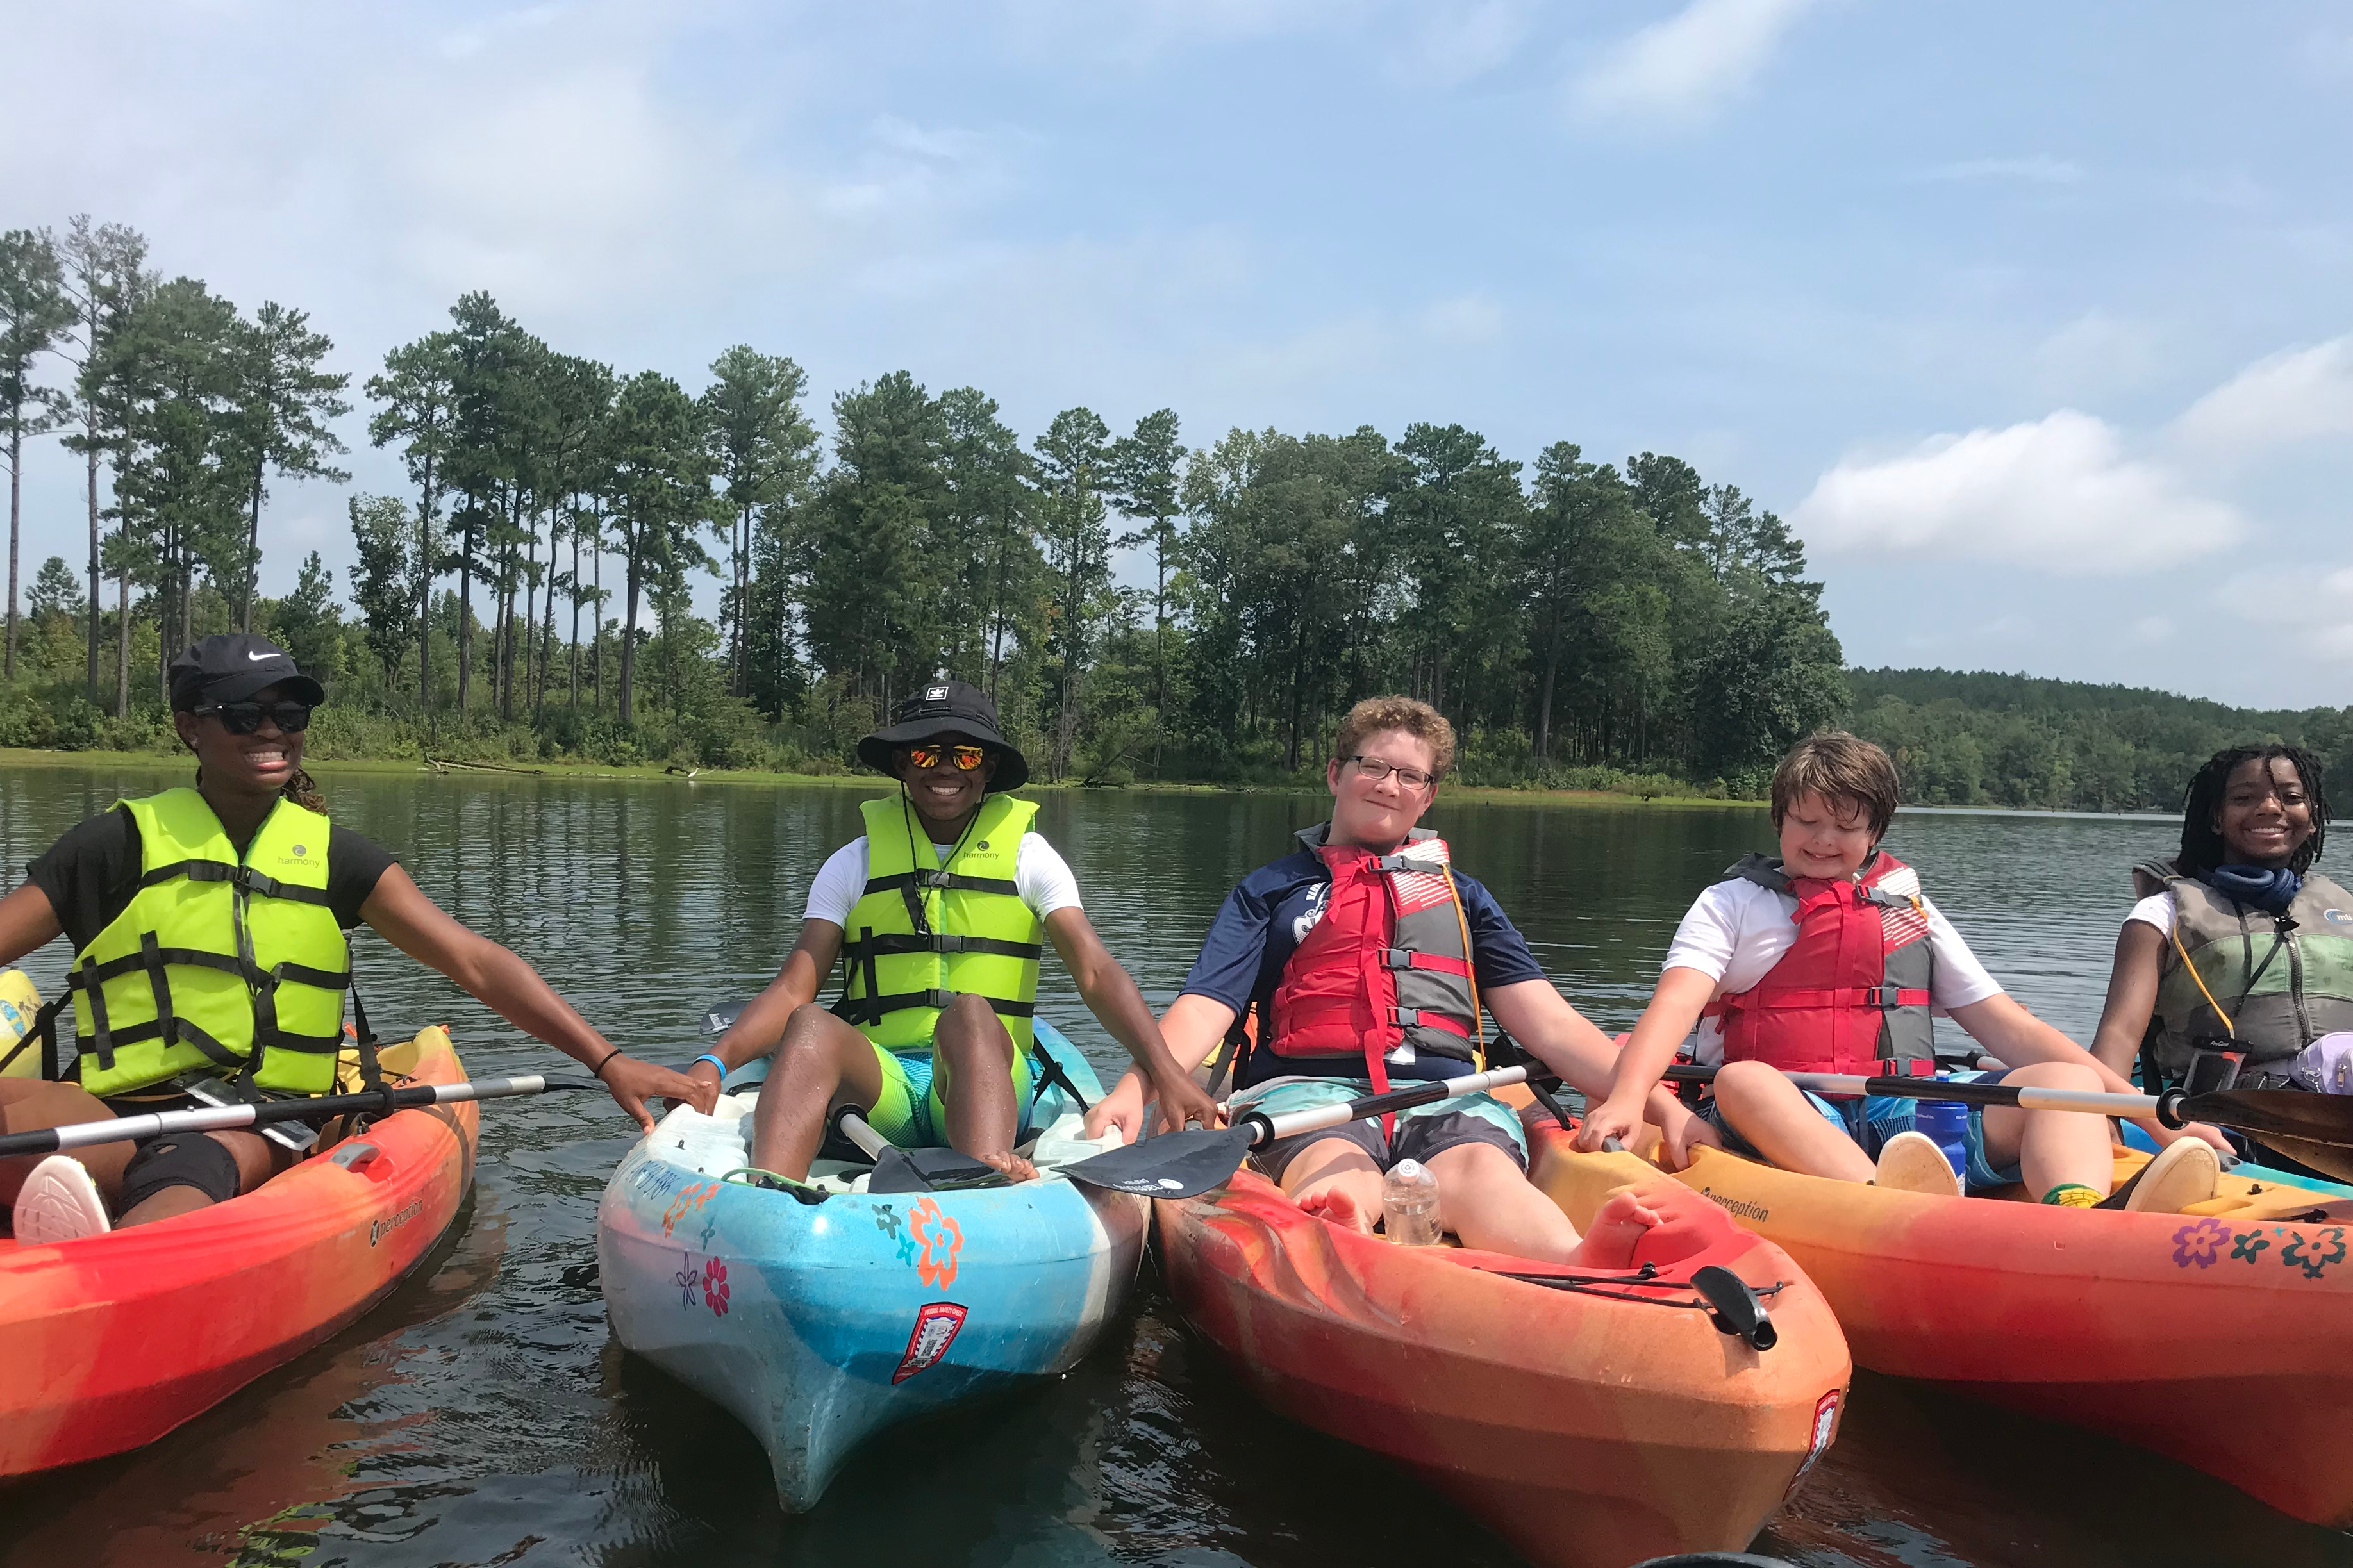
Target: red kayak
(1592,1421)
(113,1340)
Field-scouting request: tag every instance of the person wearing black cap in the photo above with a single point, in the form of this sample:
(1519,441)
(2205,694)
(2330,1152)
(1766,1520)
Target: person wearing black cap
(208,924)
(947,895)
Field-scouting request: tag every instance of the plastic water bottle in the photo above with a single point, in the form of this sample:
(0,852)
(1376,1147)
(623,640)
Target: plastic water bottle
(1409,1205)
(1947,1124)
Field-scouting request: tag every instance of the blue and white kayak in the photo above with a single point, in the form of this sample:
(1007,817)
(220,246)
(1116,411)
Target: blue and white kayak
(818,1321)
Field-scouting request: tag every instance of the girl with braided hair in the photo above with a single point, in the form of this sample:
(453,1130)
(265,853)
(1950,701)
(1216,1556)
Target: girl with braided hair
(2239,954)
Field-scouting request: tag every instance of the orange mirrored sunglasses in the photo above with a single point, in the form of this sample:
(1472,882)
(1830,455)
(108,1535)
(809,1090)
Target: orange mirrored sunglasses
(966,758)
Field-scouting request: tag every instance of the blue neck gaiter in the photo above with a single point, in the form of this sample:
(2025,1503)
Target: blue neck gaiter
(2268,888)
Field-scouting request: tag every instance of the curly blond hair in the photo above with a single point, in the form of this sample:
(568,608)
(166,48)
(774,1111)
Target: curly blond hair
(1415,717)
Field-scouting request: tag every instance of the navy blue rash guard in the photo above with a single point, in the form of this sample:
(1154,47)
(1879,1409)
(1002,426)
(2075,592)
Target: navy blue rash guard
(1263,922)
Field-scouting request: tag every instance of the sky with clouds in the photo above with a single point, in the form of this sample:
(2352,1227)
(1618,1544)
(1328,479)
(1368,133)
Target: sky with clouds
(2037,320)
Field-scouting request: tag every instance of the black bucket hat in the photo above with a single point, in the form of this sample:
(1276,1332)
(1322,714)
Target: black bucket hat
(230,666)
(947,708)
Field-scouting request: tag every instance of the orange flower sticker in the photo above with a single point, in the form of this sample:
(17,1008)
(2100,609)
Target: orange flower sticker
(941,1239)
(688,1197)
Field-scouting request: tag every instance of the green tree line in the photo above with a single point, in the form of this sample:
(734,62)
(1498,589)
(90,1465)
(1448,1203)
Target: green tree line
(1982,739)
(1138,607)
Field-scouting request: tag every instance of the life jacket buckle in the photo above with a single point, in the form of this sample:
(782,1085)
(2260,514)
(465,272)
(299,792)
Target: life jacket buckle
(1397,958)
(931,879)
(1886,998)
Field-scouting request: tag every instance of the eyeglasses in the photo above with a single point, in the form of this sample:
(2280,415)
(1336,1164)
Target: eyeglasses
(245,718)
(1377,770)
(966,758)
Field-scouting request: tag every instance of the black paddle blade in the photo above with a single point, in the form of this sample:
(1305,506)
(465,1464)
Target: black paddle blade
(1174,1165)
(2330,1159)
(931,1171)
(2297,1113)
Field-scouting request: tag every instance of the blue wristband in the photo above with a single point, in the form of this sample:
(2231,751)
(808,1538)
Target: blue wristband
(714,1061)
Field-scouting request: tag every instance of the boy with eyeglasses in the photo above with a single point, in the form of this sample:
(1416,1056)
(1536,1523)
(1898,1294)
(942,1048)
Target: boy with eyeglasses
(937,914)
(1367,961)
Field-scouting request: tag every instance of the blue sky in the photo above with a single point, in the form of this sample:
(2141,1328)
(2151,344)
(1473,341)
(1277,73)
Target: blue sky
(2038,321)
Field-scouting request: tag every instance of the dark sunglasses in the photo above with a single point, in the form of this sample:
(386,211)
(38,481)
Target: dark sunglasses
(245,718)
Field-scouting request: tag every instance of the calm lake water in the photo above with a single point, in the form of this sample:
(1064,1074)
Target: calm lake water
(484,1415)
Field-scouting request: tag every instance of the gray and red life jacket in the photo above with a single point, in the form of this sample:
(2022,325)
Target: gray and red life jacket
(1388,964)
(1853,994)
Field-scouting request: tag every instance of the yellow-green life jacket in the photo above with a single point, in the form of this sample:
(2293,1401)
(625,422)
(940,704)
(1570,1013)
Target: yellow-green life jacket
(218,962)
(924,933)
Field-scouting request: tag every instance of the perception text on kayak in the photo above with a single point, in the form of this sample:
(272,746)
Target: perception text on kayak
(379,1229)
(1741,1207)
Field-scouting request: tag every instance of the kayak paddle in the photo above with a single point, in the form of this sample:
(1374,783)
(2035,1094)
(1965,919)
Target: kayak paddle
(898,1170)
(1187,1165)
(2316,1128)
(220,1117)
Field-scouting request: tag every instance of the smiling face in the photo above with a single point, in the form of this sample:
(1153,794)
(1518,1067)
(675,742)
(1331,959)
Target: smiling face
(256,764)
(2266,815)
(945,797)
(1378,813)
(1825,840)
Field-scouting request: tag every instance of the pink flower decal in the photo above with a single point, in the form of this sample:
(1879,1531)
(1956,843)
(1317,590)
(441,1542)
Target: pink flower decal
(941,1239)
(714,1287)
(2199,1243)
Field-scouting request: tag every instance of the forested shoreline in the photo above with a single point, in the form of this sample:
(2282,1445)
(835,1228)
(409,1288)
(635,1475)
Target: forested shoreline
(1140,608)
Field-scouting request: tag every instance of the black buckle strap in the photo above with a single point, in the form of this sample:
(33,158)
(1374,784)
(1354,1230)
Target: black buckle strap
(1883,997)
(900,941)
(244,878)
(944,882)
(872,1009)
(101,1037)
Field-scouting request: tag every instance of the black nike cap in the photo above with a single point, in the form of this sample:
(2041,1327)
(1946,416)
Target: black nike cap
(230,666)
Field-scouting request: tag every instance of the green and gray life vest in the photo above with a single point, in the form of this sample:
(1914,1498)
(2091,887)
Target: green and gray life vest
(924,934)
(2283,981)
(223,962)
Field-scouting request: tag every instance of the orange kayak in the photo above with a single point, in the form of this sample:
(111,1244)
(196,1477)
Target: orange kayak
(1589,1430)
(113,1340)
(2221,1337)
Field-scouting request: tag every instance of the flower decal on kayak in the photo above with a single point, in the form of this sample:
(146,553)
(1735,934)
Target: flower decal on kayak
(941,1238)
(2249,1246)
(714,1287)
(2315,1254)
(2199,1243)
(689,1279)
(689,1199)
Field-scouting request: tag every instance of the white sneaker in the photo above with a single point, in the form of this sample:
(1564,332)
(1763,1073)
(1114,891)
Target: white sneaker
(1911,1162)
(2183,1172)
(58,1202)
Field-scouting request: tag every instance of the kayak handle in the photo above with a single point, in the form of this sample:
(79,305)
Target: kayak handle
(1737,1312)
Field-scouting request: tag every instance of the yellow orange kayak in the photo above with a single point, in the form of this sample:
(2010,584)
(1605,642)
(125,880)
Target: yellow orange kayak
(114,1339)
(2221,1337)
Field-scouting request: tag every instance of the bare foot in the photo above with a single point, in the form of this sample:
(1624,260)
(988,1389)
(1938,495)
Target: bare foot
(1617,1227)
(1334,1206)
(1015,1167)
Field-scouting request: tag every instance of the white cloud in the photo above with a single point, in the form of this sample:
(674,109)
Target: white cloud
(1462,43)
(2058,493)
(2293,395)
(2098,352)
(1682,70)
(2313,613)
(2041,169)
(1467,318)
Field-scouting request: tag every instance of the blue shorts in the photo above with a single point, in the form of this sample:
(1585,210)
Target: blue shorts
(1873,1121)
(1422,1132)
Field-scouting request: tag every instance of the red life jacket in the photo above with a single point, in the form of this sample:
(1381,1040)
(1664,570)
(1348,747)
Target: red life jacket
(1388,964)
(1853,994)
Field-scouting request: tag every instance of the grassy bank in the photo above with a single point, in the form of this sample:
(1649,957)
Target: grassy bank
(163,763)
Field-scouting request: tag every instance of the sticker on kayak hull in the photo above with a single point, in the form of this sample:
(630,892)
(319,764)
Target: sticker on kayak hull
(1826,1410)
(936,1329)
